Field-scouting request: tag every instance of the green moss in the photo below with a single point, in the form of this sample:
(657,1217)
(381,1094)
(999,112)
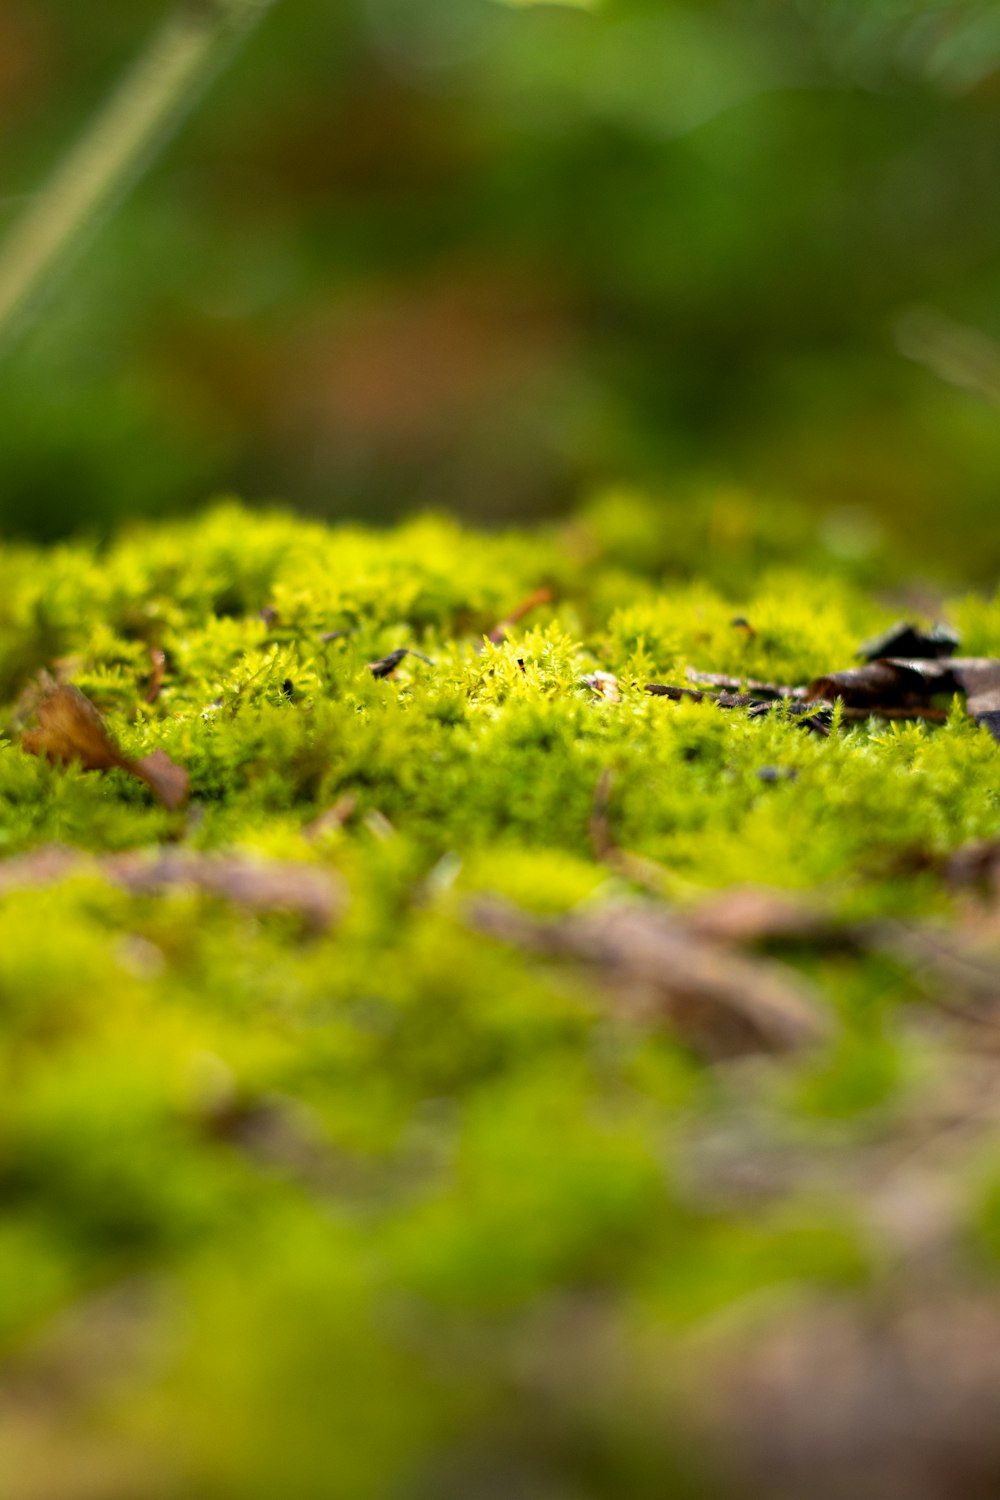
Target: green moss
(357,1172)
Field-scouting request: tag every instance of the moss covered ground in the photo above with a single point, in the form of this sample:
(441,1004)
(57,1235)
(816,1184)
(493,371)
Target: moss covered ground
(391,1206)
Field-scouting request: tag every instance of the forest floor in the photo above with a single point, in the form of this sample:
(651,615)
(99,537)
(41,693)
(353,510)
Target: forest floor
(497,1014)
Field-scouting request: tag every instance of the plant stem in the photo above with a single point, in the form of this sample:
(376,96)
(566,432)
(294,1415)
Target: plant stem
(134,123)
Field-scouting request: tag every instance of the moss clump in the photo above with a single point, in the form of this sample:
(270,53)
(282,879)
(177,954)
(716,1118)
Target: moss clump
(397,1210)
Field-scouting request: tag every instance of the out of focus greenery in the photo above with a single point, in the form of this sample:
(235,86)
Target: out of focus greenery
(397,1211)
(452,253)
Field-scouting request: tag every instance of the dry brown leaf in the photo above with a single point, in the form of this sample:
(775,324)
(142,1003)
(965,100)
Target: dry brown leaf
(70,729)
(723,1004)
(909,641)
(896,687)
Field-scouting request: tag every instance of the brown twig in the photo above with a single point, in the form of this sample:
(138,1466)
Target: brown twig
(498,634)
(159,661)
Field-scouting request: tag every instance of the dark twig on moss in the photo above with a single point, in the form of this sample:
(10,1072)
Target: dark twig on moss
(388,664)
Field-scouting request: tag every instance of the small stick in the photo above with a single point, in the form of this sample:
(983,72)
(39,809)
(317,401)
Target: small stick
(498,634)
(159,672)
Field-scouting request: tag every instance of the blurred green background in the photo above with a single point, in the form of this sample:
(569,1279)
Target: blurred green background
(456,254)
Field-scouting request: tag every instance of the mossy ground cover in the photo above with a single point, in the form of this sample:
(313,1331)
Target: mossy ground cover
(396,1208)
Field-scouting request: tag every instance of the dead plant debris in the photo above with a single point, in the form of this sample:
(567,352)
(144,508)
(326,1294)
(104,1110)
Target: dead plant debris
(919,685)
(722,1004)
(388,664)
(158,675)
(500,631)
(905,639)
(70,729)
(307,891)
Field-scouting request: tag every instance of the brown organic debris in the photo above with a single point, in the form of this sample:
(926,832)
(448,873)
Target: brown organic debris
(499,633)
(750,914)
(905,639)
(157,676)
(914,685)
(811,716)
(722,1004)
(879,1400)
(70,729)
(307,891)
(757,690)
(976,866)
(605,685)
(894,687)
(388,664)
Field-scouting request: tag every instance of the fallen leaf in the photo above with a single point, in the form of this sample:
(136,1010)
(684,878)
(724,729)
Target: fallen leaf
(896,687)
(70,729)
(722,1004)
(907,640)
